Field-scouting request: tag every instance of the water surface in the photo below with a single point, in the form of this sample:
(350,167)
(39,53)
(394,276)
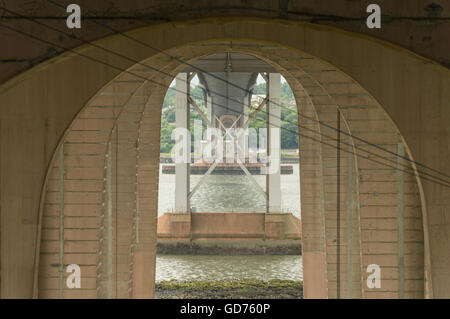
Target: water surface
(226,193)
(223,193)
(194,267)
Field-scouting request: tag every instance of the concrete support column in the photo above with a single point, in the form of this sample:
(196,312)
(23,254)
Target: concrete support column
(61,221)
(315,272)
(274,143)
(144,274)
(210,117)
(109,224)
(350,202)
(246,104)
(209,108)
(144,252)
(182,186)
(245,118)
(401,218)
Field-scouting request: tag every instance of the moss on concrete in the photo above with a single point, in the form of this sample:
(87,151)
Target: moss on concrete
(249,288)
(231,247)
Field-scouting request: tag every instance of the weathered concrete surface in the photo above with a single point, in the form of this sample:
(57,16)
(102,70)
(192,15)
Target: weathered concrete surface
(418,25)
(410,89)
(178,224)
(229,246)
(225,289)
(233,226)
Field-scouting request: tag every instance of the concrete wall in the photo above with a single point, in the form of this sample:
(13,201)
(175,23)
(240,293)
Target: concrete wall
(174,225)
(228,226)
(416,25)
(408,89)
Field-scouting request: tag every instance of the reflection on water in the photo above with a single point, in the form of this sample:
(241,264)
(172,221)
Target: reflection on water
(223,193)
(190,267)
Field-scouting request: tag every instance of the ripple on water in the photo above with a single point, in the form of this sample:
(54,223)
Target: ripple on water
(196,267)
(221,193)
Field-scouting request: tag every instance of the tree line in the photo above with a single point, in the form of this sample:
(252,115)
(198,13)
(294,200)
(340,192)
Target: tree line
(289,118)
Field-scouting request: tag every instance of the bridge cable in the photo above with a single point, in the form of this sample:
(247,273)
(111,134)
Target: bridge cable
(433,179)
(248,92)
(299,125)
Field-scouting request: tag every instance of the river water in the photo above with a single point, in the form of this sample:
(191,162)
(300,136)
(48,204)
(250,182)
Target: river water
(195,267)
(223,193)
(226,193)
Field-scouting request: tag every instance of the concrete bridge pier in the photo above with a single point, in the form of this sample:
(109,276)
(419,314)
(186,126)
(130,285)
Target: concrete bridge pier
(182,183)
(273,180)
(246,112)
(209,103)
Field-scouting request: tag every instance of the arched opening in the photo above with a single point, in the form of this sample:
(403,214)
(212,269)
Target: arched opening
(240,225)
(331,107)
(388,223)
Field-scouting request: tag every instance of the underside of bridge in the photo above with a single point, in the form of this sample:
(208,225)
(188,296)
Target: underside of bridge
(80,138)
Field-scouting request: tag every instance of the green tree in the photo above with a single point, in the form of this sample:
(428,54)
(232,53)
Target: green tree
(286,92)
(260,88)
(166,136)
(289,126)
(197,95)
(169,115)
(170,98)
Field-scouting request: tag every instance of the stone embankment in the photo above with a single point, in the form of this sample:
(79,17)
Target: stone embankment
(239,289)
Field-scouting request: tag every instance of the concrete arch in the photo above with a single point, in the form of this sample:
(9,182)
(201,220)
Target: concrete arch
(100,151)
(320,42)
(305,98)
(371,194)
